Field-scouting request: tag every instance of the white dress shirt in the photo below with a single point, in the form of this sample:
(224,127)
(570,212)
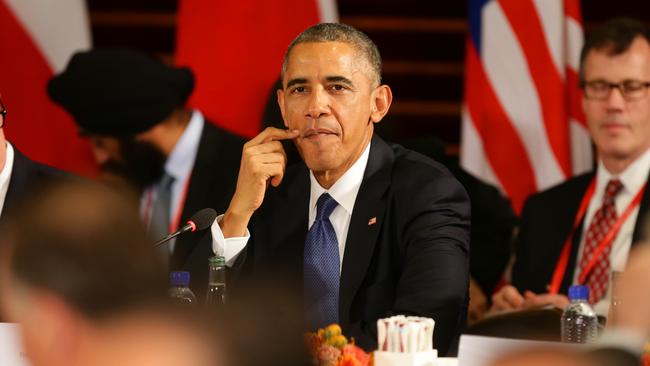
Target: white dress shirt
(344,192)
(5,174)
(179,165)
(634,177)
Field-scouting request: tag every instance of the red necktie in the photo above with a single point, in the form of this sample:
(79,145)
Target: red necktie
(602,222)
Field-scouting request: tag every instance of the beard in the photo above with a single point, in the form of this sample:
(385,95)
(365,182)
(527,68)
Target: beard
(142,163)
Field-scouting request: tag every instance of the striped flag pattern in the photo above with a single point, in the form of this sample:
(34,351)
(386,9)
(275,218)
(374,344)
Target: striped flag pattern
(523,129)
(235,49)
(37,39)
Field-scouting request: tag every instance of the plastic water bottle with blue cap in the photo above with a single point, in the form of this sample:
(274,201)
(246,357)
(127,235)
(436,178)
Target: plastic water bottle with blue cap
(579,322)
(179,289)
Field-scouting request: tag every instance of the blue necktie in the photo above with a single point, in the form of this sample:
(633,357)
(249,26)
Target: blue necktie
(321,271)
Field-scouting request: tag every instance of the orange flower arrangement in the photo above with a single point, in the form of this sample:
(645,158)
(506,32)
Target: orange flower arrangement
(329,347)
(645,358)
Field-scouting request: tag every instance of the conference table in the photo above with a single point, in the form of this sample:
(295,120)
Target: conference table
(473,350)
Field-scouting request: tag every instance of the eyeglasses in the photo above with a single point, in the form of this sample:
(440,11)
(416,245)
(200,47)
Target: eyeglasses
(3,113)
(630,89)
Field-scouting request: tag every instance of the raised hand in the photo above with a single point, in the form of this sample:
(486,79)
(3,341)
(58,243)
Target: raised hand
(263,162)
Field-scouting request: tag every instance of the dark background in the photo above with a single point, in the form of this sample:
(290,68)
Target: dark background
(422,44)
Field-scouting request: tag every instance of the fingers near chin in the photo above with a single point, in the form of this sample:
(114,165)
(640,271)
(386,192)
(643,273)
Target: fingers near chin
(276,134)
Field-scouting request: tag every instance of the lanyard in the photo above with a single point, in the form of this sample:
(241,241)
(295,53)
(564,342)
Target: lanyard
(173,225)
(563,261)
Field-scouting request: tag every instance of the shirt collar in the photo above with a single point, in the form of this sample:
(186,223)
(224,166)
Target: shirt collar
(181,160)
(345,189)
(5,173)
(633,177)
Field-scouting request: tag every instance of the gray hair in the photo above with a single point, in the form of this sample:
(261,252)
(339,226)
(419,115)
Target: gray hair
(337,32)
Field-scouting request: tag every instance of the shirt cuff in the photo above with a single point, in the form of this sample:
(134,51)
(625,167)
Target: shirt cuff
(229,248)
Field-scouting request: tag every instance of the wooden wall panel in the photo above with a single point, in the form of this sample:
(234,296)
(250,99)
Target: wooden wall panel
(421,41)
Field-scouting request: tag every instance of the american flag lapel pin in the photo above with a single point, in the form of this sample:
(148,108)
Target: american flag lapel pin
(372,221)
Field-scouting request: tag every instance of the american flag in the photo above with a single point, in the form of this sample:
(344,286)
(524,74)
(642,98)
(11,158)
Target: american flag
(523,129)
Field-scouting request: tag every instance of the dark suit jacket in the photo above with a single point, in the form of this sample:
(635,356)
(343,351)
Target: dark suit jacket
(414,260)
(212,184)
(546,221)
(493,219)
(26,176)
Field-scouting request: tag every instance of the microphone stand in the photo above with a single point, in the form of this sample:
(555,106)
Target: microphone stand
(167,238)
(190,226)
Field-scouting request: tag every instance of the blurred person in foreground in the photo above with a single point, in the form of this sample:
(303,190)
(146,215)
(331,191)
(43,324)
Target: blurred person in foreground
(262,323)
(565,355)
(365,229)
(565,232)
(132,108)
(632,311)
(79,277)
(541,356)
(628,325)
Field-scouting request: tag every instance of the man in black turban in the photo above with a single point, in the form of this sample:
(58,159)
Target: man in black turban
(132,109)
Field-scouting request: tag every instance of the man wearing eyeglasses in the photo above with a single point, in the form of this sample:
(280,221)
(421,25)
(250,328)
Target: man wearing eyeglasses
(18,174)
(581,231)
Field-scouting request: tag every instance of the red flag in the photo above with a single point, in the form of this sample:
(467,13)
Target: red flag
(523,126)
(235,49)
(38,38)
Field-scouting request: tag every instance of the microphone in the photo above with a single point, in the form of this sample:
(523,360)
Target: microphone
(201,220)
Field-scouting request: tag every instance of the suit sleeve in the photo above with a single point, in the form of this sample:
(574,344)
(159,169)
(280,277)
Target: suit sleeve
(435,276)
(493,222)
(523,268)
(432,224)
(545,223)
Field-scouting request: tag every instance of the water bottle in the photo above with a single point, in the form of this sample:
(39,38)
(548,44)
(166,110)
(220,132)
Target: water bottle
(216,295)
(179,289)
(579,322)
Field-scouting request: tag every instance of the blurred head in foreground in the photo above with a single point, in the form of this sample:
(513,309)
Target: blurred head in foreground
(632,291)
(542,357)
(264,323)
(567,355)
(80,278)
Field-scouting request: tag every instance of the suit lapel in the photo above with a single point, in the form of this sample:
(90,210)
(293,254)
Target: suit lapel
(639,234)
(573,202)
(20,173)
(365,224)
(278,229)
(290,214)
(202,182)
